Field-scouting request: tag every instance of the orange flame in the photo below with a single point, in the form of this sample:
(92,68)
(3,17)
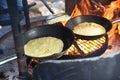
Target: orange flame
(82,8)
(112,12)
(109,12)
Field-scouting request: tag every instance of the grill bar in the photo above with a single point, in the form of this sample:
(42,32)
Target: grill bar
(87,47)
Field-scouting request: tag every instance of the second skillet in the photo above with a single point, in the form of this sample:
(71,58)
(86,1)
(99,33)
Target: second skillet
(89,18)
(54,30)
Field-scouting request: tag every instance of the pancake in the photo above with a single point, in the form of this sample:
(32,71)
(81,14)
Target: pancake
(44,46)
(89,29)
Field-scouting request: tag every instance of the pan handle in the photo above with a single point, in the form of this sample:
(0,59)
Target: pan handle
(115,21)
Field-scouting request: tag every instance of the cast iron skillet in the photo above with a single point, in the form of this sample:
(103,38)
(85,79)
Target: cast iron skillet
(89,18)
(54,30)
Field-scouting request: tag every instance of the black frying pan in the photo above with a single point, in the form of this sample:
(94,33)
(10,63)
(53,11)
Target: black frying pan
(58,31)
(89,18)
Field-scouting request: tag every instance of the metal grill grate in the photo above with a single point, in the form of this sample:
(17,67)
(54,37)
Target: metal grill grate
(86,47)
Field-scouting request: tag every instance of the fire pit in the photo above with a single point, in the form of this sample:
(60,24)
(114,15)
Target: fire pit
(104,67)
(93,68)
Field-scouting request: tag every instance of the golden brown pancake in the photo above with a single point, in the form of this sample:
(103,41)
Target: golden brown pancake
(89,29)
(44,46)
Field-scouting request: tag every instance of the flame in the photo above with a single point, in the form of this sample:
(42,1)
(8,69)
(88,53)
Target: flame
(109,12)
(84,7)
(76,11)
(112,12)
(119,28)
(81,8)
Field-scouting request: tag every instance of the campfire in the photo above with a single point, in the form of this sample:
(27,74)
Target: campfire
(90,7)
(82,47)
(110,11)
